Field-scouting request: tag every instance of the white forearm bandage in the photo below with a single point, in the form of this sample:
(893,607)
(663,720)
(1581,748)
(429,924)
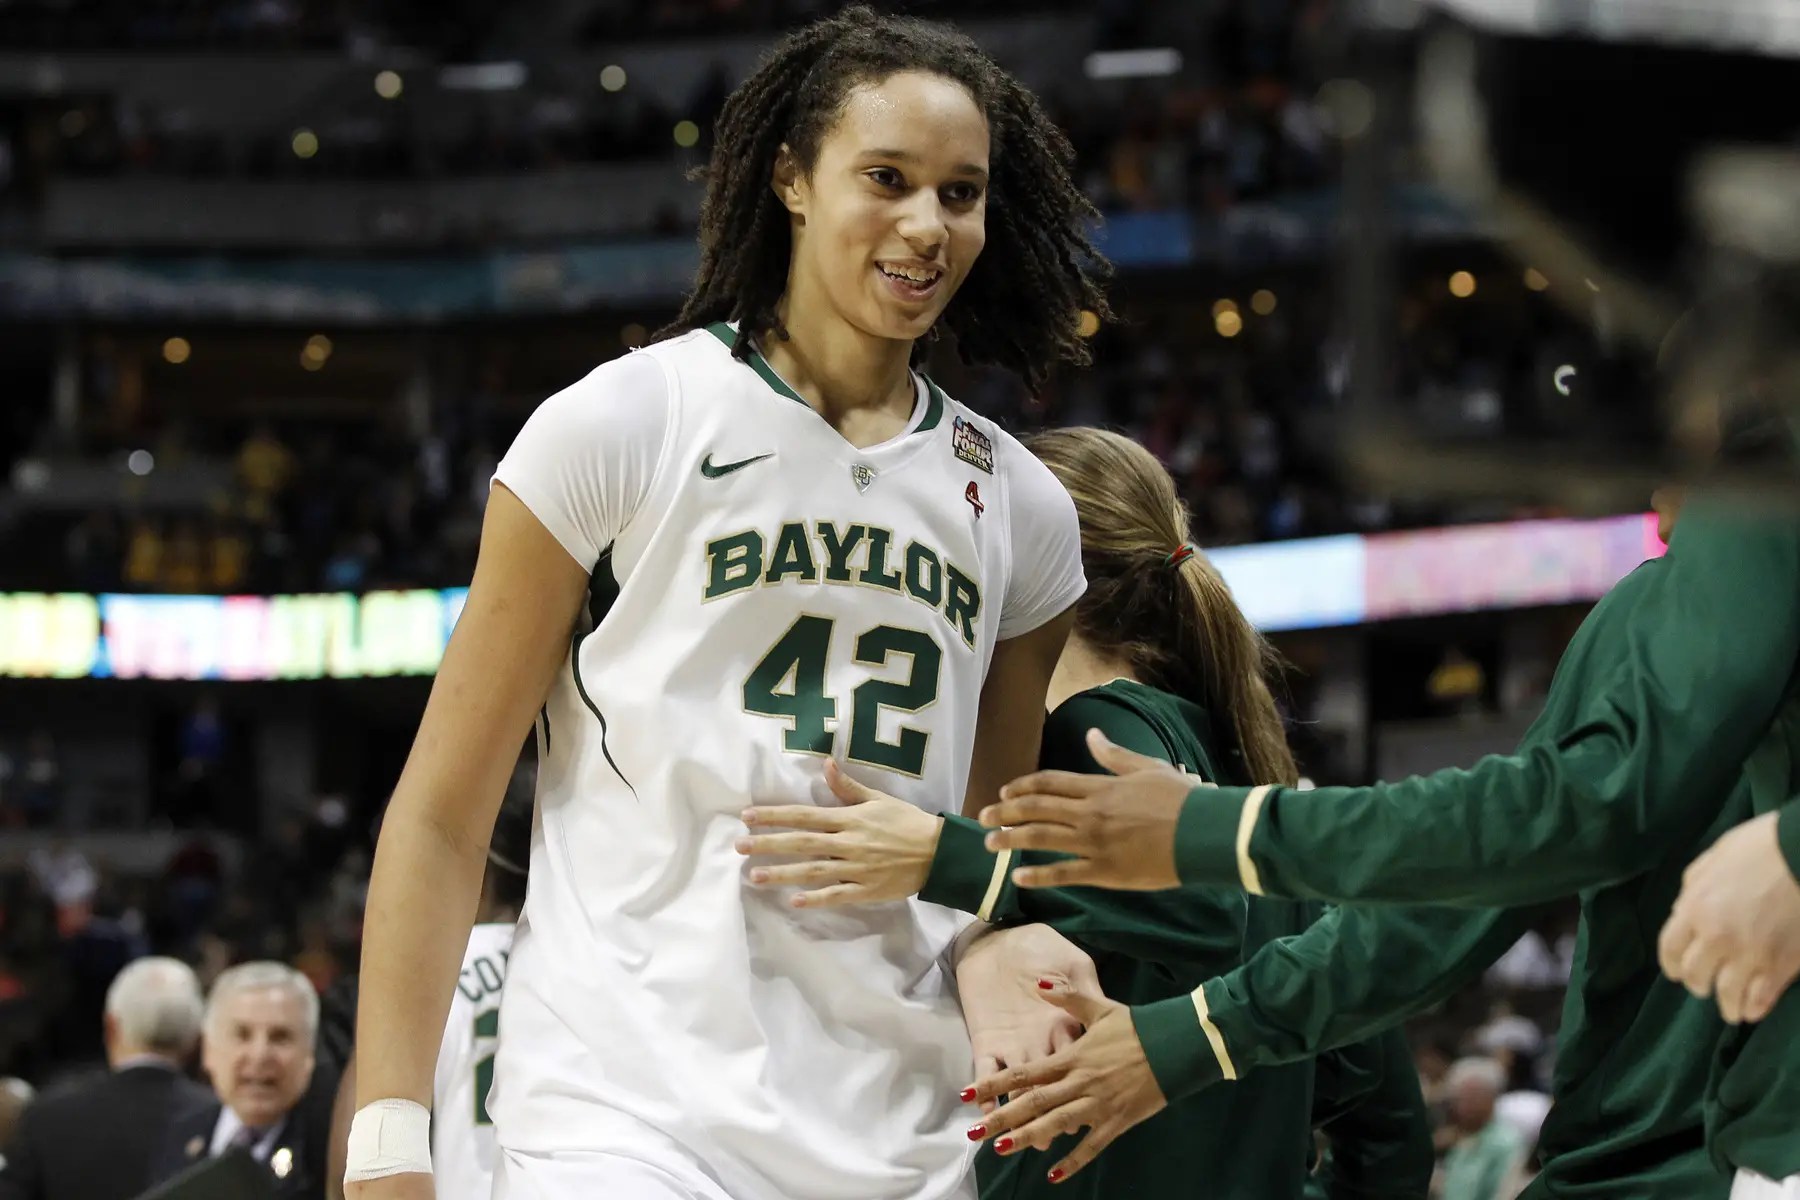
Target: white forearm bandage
(388,1137)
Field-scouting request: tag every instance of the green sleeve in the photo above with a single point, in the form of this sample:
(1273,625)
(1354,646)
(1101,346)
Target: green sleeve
(1636,774)
(1787,830)
(1366,1099)
(1355,972)
(1173,927)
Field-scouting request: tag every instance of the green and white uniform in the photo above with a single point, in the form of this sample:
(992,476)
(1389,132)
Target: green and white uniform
(462,1136)
(1690,732)
(765,596)
(1254,1142)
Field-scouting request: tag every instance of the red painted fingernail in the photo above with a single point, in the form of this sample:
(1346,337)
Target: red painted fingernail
(1046,985)
(977,1132)
(967,1095)
(1056,1175)
(1004,1145)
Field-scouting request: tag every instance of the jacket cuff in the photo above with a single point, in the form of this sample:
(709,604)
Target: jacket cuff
(1212,836)
(965,874)
(1181,1045)
(1787,832)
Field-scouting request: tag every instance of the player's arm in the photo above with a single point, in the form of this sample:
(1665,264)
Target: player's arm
(1009,724)
(1366,1099)
(1355,972)
(1637,773)
(343,1107)
(572,481)
(512,638)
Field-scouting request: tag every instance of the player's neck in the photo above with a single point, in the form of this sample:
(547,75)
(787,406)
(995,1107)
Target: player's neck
(1082,667)
(845,374)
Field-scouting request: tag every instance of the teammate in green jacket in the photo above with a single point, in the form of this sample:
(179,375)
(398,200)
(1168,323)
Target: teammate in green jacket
(1692,731)
(1163,660)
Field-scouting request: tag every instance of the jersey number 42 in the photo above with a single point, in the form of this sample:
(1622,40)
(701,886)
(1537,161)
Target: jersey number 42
(789,685)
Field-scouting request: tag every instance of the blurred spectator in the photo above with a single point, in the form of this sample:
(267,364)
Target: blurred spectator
(15,1097)
(150,1027)
(40,781)
(1487,1149)
(257,1049)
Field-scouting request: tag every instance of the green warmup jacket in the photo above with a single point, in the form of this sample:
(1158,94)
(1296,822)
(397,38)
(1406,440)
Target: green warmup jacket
(1692,731)
(1255,1143)
(1635,1049)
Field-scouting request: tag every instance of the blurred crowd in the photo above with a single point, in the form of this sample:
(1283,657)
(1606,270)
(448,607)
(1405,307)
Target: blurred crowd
(1250,425)
(1149,148)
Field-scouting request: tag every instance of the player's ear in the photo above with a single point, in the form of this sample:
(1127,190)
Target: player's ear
(788,183)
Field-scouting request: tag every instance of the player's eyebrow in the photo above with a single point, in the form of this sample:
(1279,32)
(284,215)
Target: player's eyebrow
(907,156)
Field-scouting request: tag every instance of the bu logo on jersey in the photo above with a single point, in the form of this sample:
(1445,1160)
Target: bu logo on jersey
(862,475)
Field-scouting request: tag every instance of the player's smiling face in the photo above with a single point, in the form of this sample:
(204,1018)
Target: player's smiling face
(894,211)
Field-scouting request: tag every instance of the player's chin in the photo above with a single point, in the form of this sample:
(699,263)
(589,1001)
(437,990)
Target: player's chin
(905,320)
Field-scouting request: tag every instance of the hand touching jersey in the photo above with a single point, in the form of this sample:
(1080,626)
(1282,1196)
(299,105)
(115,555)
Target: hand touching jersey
(874,848)
(1102,1083)
(998,977)
(1735,928)
(1119,827)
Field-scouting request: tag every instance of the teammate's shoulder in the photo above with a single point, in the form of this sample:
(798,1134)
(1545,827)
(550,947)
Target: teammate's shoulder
(1120,710)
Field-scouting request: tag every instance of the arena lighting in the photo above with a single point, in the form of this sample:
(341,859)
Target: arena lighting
(176,351)
(1309,583)
(1535,279)
(1089,324)
(1132,64)
(1462,285)
(612,77)
(1221,307)
(687,134)
(1769,27)
(140,462)
(1262,302)
(388,85)
(305,143)
(1229,323)
(482,77)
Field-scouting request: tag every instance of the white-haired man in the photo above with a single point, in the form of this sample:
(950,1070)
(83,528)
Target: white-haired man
(1488,1148)
(257,1048)
(152,1023)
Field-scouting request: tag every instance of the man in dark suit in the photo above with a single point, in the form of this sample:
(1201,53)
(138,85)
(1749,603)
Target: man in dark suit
(257,1047)
(93,1139)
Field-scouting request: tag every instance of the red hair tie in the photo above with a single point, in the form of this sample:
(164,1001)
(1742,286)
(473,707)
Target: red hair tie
(1181,554)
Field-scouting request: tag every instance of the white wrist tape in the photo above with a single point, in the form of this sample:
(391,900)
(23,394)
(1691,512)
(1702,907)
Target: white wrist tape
(388,1137)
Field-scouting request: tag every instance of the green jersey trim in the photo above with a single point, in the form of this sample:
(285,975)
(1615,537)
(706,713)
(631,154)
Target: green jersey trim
(725,333)
(603,591)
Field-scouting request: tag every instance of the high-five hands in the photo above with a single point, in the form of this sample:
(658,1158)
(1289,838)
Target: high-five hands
(1102,1082)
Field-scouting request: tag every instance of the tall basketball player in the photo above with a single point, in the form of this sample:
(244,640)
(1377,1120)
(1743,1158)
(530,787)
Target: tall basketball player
(710,568)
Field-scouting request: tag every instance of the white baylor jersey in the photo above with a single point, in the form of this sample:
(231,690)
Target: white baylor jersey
(765,596)
(462,1135)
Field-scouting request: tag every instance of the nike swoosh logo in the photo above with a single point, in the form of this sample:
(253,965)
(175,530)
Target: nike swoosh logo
(711,472)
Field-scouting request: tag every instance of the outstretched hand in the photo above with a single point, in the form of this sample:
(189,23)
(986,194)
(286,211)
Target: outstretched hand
(874,848)
(1119,827)
(1102,1083)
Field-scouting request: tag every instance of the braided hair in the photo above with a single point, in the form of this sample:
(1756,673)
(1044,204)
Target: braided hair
(1021,304)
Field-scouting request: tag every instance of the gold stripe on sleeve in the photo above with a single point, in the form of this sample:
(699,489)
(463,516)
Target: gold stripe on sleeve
(1253,805)
(1001,863)
(1213,1037)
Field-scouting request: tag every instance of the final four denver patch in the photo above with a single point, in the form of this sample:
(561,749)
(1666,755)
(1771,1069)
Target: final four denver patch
(972,445)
